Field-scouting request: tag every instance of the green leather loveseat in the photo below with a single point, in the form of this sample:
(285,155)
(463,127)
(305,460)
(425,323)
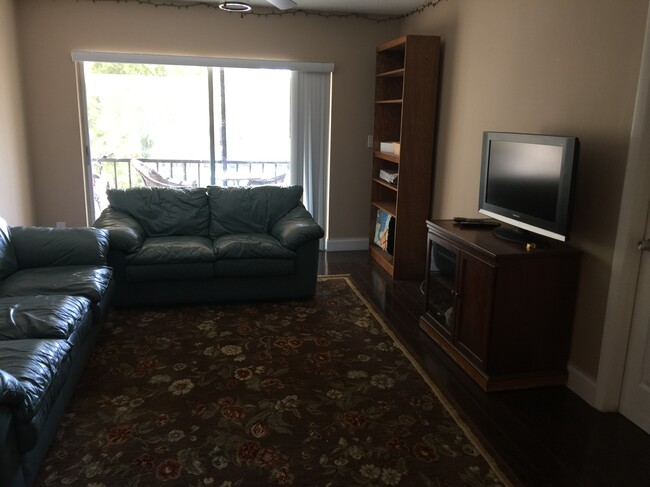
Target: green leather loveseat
(214,244)
(55,290)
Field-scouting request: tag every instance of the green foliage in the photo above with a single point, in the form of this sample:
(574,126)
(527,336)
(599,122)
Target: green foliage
(130,69)
(117,175)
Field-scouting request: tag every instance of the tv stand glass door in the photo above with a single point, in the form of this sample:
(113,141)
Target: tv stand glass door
(441,286)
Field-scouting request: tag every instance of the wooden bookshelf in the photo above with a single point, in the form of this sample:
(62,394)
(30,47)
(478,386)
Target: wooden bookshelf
(406,89)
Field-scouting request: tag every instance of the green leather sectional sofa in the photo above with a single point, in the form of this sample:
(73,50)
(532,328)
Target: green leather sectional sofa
(151,246)
(214,244)
(55,289)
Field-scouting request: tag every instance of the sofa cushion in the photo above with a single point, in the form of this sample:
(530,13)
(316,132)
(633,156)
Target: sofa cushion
(242,268)
(48,247)
(88,281)
(8,263)
(249,210)
(34,373)
(167,250)
(250,246)
(41,316)
(169,272)
(164,211)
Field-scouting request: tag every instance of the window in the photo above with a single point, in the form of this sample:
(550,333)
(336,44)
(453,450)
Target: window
(151,125)
(157,120)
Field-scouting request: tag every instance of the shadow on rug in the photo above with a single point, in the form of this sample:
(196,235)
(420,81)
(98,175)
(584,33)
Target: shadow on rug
(286,393)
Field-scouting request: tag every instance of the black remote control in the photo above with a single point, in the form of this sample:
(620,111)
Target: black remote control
(476,222)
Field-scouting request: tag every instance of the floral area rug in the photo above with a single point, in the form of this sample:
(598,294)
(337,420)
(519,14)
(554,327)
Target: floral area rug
(315,393)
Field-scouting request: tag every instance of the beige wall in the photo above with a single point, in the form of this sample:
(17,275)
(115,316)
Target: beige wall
(49,31)
(542,66)
(15,190)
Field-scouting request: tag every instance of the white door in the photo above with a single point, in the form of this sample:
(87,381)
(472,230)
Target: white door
(635,394)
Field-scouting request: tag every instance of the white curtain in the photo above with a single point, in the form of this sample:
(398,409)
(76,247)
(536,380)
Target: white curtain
(310,122)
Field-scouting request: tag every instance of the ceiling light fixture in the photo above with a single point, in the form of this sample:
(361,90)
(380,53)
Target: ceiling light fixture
(239,7)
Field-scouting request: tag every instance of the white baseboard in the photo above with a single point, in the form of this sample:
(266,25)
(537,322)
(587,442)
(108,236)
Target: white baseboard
(582,384)
(342,244)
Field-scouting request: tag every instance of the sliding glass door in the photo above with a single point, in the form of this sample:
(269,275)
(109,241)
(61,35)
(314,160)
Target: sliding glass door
(176,126)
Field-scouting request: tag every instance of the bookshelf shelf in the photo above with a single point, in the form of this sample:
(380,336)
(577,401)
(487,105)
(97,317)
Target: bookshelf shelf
(385,184)
(388,206)
(387,156)
(393,73)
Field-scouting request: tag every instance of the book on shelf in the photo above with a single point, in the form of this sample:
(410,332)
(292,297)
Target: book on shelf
(388,176)
(389,147)
(385,231)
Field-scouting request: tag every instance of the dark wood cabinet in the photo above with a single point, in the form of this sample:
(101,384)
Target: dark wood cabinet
(474,306)
(503,312)
(405,109)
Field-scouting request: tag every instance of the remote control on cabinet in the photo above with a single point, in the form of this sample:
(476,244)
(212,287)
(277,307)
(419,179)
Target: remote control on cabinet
(476,222)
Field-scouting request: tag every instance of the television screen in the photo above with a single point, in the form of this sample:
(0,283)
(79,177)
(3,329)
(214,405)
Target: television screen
(527,181)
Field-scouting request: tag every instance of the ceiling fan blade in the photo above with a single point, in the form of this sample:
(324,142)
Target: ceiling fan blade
(283,4)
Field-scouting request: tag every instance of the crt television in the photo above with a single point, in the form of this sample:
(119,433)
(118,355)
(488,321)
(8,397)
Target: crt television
(527,181)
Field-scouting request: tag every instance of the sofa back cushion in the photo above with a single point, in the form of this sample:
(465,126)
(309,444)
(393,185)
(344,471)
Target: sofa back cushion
(249,210)
(46,246)
(163,212)
(8,263)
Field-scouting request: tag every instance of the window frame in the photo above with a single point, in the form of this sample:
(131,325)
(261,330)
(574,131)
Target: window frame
(81,57)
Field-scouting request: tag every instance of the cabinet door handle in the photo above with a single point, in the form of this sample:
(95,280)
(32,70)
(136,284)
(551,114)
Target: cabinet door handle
(455,294)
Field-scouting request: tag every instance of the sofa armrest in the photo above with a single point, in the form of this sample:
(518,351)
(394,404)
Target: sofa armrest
(45,246)
(11,392)
(125,233)
(11,472)
(296,228)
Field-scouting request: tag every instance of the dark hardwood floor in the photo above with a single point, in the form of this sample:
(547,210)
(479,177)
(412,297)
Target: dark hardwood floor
(546,436)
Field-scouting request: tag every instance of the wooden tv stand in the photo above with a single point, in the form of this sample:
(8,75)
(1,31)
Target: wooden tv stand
(500,311)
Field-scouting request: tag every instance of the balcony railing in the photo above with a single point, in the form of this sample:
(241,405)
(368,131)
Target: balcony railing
(116,173)
(121,174)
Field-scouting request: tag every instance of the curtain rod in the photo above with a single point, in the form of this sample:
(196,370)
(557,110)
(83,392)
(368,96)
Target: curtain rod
(132,58)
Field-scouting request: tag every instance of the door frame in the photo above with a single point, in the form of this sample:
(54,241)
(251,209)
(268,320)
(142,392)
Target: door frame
(626,258)
(86,161)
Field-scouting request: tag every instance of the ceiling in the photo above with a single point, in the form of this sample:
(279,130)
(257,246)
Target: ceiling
(376,7)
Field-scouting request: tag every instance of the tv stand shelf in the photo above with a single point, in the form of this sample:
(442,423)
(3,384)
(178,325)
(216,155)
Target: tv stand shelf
(501,312)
